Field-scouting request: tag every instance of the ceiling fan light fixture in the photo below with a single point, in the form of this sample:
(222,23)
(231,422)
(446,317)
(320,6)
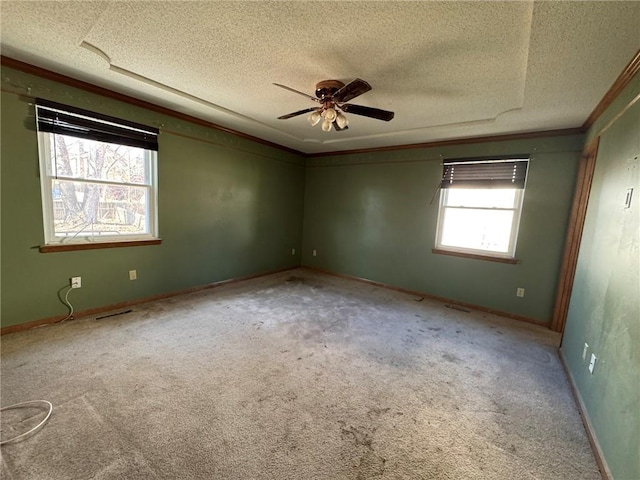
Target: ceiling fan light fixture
(330,114)
(332,96)
(341,120)
(315,118)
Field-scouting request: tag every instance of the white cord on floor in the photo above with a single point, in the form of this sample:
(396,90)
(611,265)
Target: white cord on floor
(34,429)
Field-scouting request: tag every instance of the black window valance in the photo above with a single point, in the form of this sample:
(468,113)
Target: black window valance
(65,120)
(505,172)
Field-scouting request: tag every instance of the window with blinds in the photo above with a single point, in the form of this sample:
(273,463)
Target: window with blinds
(480,205)
(98,176)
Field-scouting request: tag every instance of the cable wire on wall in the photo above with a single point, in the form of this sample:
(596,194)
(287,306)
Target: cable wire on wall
(69,306)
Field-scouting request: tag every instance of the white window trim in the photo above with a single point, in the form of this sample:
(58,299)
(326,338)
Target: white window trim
(46,178)
(513,239)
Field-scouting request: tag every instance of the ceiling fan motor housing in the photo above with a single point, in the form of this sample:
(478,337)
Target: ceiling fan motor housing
(327,88)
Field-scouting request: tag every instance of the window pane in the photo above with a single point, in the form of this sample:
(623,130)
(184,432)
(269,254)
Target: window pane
(90,159)
(477,229)
(481,197)
(82,209)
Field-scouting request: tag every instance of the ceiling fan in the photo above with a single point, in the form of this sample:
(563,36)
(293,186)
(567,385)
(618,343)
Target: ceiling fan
(332,95)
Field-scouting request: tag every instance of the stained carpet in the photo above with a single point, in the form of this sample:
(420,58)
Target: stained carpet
(296,375)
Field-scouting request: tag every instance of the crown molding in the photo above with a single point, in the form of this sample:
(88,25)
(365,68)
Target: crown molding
(621,82)
(105,92)
(457,141)
(632,68)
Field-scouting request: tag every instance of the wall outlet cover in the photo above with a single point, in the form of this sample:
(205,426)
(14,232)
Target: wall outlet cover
(592,363)
(628,198)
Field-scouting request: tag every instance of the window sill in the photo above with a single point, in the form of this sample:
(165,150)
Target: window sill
(489,258)
(70,247)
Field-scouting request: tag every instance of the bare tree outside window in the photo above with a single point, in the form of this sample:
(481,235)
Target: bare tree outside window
(98,188)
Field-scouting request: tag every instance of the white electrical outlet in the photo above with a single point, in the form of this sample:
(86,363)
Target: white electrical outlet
(520,292)
(584,351)
(76,282)
(293,251)
(592,363)
(314,253)
(133,275)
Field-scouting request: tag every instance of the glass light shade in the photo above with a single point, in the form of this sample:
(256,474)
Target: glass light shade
(326,126)
(314,118)
(341,120)
(330,114)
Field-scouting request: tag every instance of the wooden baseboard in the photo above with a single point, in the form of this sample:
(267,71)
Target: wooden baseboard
(591,434)
(109,308)
(116,306)
(432,297)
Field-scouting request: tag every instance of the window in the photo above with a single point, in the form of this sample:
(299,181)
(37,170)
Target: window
(480,205)
(98,176)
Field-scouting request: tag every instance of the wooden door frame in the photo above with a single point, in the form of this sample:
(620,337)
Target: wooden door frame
(586,169)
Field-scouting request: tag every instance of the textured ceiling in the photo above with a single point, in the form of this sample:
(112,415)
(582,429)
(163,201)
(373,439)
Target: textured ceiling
(448,69)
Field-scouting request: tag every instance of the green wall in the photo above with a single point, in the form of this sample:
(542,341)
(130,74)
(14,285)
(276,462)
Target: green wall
(371,216)
(228,207)
(605,308)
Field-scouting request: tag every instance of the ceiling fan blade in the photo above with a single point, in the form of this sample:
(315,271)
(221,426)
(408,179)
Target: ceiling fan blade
(351,90)
(296,91)
(299,112)
(367,111)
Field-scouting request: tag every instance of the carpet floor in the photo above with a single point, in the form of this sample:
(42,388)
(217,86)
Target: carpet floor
(296,375)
